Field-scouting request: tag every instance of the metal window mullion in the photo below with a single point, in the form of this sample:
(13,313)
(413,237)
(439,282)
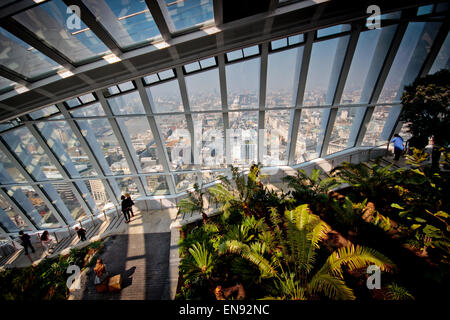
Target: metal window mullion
(389,60)
(160,148)
(218,12)
(4,233)
(60,168)
(18,210)
(13,76)
(32,182)
(187,110)
(25,35)
(339,89)
(262,100)
(92,158)
(93,23)
(224,100)
(299,94)
(435,48)
(118,134)
(162,19)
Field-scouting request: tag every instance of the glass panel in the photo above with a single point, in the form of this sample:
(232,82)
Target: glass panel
(10,220)
(333,30)
(127,104)
(44,112)
(243,84)
(184,181)
(137,133)
(376,125)
(104,144)
(151,78)
(157,185)
(33,206)
(177,140)
(30,154)
(8,171)
(323,72)
(90,111)
(209,62)
(282,77)
(188,13)
(163,75)
(6,84)
(66,199)
(280,43)
(128,185)
(112,90)
(209,140)
(234,55)
(276,137)
(295,39)
(165,97)
(20,57)
(67,148)
(411,54)
(251,51)
(192,67)
(341,130)
(126,86)
(211,176)
(73,103)
(442,60)
(5,126)
(309,135)
(425,10)
(204,91)
(128,21)
(369,55)
(87,98)
(50,23)
(97,190)
(242,138)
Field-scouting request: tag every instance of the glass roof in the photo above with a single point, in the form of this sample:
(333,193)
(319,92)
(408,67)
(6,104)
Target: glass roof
(19,57)
(129,22)
(49,22)
(238,107)
(185,14)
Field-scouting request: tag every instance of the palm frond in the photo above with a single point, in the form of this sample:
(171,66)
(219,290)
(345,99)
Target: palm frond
(330,286)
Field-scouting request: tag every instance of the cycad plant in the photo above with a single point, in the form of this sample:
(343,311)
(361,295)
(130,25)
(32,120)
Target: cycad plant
(290,259)
(371,181)
(310,189)
(194,202)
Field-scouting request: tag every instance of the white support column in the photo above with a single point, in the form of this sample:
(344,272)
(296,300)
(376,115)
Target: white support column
(224,100)
(30,180)
(300,76)
(262,99)
(92,158)
(123,145)
(161,151)
(49,152)
(18,210)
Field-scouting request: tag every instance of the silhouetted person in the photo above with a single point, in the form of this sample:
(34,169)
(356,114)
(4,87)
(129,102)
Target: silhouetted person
(81,232)
(130,203)
(125,209)
(398,146)
(26,242)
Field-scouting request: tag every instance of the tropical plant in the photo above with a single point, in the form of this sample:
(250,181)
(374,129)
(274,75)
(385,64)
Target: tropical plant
(417,157)
(292,265)
(310,189)
(396,292)
(371,182)
(425,109)
(194,202)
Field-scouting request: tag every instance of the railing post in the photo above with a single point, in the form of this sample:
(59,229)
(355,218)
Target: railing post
(70,233)
(160,203)
(14,245)
(93,222)
(56,238)
(104,213)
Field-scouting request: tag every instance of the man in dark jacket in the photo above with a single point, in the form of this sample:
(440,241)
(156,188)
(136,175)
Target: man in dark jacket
(26,242)
(81,232)
(125,208)
(130,203)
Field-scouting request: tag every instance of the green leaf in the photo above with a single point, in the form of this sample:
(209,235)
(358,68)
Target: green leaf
(420,220)
(442,214)
(415,226)
(394,205)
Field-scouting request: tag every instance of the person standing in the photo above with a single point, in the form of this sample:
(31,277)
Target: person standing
(398,146)
(130,203)
(125,208)
(81,232)
(47,242)
(26,242)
